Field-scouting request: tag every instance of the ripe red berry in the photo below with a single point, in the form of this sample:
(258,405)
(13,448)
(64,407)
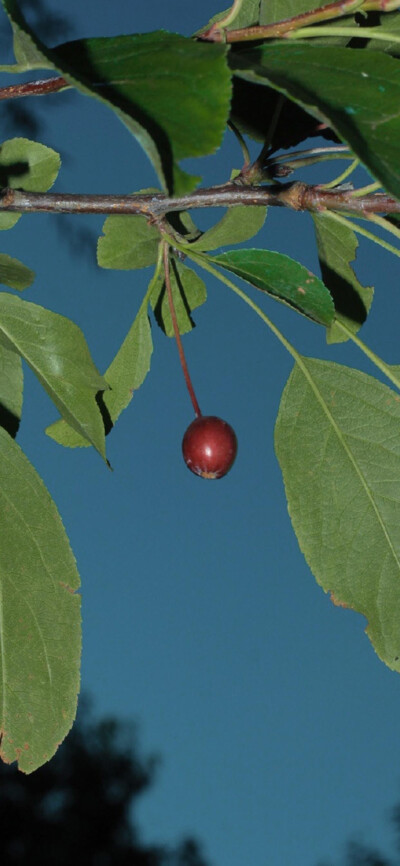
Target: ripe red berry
(209,446)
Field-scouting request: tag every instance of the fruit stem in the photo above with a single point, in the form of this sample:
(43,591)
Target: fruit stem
(182,358)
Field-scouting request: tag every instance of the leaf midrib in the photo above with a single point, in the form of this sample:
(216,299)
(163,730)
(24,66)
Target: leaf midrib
(341,438)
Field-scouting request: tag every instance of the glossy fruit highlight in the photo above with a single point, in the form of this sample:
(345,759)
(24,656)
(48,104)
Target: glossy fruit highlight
(209,446)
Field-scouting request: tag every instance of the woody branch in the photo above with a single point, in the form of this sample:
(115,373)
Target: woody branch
(296,196)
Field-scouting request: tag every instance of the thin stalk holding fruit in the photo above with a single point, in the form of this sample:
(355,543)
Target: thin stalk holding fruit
(209,445)
(182,357)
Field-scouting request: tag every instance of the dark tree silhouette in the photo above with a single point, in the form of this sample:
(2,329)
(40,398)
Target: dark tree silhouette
(80,806)
(359,854)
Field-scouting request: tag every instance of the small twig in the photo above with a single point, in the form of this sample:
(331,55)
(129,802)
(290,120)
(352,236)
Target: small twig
(310,151)
(297,196)
(332,11)
(280,28)
(33,88)
(283,165)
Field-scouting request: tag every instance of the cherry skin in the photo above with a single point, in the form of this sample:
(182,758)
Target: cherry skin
(209,446)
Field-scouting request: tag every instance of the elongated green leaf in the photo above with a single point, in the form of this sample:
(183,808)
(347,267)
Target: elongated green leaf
(171,92)
(40,637)
(278,10)
(27,165)
(282,278)
(338,445)
(337,245)
(188,292)
(14,274)
(128,242)
(56,350)
(11,390)
(130,366)
(124,376)
(239,224)
(357,94)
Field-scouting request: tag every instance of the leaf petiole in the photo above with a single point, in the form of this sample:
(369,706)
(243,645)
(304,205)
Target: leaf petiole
(182,358)
(367,234)
(341,177)
(351,32)
(386,369)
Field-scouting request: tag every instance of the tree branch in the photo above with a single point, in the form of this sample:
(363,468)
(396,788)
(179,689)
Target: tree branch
(297,196)
(33,88)
(331,11)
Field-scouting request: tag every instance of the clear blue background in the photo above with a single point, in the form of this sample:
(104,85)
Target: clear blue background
(277,724)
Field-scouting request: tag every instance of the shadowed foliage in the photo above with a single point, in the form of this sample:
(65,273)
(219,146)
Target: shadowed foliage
(80,807)
(360,854)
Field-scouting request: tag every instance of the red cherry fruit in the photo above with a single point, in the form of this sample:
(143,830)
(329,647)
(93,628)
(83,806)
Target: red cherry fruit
(209,446)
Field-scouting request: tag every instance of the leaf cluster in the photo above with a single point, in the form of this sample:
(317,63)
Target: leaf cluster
(336,432)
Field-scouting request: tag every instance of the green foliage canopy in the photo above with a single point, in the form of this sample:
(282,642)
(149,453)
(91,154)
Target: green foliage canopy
(336,432)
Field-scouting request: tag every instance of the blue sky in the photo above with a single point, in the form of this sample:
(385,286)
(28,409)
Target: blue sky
(276,722)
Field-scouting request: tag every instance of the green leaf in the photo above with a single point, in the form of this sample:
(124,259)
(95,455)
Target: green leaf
(252,109)
(27,165)
(172,93)
(8,220)
(277,10)
(11,390)
(130,366)
(124,376)
(127,242)
(40,616)
(14,274)
(337,245)
(188,292)
(390,23)
(337,442)
(239,224)
(282,278)
(30,53)
(56,350)
(356,93)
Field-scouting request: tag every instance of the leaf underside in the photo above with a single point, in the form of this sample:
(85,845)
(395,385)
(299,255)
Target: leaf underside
(40,638)
(338,445)
(124,376)
(337,245)
(56,350)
